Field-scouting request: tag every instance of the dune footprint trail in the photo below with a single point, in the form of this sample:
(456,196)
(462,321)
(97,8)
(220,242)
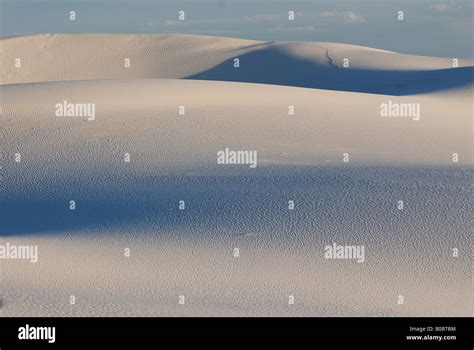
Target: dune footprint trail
(112,170)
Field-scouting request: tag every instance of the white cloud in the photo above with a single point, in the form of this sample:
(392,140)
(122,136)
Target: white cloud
(352,17)
(165,23)
(328,13)
(261,18)
(172,23)
(348,16)
(440,7)
(292,29)
(212,21)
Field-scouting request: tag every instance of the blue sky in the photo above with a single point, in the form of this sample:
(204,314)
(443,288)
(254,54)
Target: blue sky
(435,28)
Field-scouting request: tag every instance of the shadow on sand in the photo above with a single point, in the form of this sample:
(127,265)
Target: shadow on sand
(328,200)
(273,66)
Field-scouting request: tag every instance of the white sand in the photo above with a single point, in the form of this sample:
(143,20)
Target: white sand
(173,158)
(57,57)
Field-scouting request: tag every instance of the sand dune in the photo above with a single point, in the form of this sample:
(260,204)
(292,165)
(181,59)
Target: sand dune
(173,157)
(220,114)
(53,57)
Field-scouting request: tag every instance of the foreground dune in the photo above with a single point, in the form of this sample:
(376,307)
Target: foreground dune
(173,157)
(343,164)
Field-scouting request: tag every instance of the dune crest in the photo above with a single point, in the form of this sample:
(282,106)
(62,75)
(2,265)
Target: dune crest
(61,57)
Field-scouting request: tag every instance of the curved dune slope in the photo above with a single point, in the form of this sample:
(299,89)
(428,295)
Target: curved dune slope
(55,57)
(173,158)
(325,124)
(172,129)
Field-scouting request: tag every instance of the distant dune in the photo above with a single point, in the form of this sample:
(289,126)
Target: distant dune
(58,57)
(182,101)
